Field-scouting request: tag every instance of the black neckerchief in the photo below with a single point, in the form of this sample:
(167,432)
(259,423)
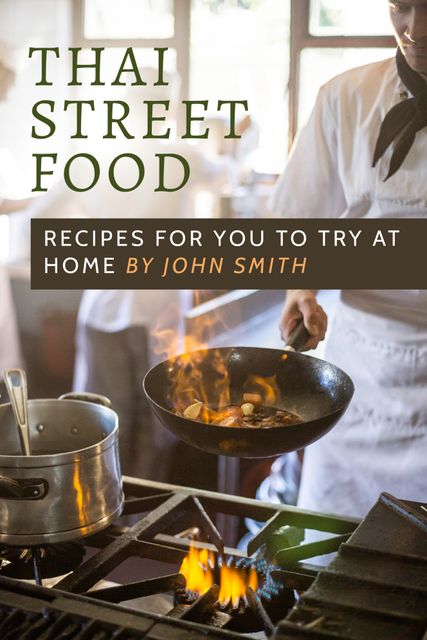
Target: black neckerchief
(404,120)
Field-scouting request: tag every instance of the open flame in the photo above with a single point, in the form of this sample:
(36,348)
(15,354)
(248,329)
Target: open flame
(201,373)
(187,375)
(234,584)
(267,388)
(198,568)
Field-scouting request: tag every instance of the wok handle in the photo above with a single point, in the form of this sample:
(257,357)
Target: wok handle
(297,338)
(87,397)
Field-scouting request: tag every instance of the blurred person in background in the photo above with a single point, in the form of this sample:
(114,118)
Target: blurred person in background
(10,353)
(363,154)
(115,342)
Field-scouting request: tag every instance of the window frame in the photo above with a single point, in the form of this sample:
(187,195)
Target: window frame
(301,38)
(180,41)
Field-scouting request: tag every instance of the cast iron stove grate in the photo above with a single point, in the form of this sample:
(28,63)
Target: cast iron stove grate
(29,612)
(376,588)
(340,604)
(158,513)
(52,560)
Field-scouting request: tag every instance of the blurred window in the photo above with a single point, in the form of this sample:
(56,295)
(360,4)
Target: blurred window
(240,50)
(248,49)
(328,38)
(142,24)
(128,19)
(346,18)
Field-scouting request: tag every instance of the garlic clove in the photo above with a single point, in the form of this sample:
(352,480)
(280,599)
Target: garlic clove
(247,408)
(192,412)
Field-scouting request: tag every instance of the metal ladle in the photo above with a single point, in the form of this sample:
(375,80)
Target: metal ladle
(16,383)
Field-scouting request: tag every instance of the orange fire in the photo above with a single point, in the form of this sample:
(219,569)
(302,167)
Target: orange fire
(234,584)
(266,387)
(197,568)
(201,374)
(186,376)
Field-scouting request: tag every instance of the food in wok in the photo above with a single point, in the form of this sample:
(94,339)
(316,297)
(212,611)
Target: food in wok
(251,412)
(312,389)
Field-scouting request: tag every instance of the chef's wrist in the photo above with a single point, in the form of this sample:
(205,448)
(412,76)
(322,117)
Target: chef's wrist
(298,294)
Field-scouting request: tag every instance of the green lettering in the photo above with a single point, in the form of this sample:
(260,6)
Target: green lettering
(47,121)
(39,173)
(133,69)
(151,118)
(119,121)
(76,65)
(233,104)
(189,118)
(79,112)
(44,51)
(162,170)
(96,172)
(141,170)
(160,67)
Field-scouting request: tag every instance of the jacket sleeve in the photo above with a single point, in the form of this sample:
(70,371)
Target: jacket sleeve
(310,186)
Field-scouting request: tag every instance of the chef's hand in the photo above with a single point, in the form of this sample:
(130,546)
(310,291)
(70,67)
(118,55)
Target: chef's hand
(303,304)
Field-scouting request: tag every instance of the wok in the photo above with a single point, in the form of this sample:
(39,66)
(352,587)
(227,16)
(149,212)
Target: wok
(317,391)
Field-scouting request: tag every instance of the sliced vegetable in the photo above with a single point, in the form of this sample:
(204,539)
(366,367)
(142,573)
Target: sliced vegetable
(248,408)
(193,411)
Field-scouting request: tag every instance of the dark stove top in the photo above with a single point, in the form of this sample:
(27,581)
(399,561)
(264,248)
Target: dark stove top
(375,588)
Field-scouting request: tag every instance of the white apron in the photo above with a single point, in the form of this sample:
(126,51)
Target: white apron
(381,442)
(379,337)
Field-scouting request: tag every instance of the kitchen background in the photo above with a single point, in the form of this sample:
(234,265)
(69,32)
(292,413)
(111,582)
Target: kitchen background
(273,53)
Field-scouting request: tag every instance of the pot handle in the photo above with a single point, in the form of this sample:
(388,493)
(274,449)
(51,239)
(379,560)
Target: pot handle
(87,397)
(10,488)
(31,489)
(297,338)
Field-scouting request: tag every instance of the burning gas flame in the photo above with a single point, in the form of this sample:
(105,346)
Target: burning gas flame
(198,568)
(234,584)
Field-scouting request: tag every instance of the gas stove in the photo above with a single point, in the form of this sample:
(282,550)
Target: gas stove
(126,584)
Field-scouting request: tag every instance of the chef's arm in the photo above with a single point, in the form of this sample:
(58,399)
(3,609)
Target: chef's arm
(9,206)
(302,304)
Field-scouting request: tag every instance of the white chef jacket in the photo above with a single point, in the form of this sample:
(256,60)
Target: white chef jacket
(379,337)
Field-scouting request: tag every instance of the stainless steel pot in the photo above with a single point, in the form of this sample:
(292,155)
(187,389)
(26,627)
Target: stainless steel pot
(70,486)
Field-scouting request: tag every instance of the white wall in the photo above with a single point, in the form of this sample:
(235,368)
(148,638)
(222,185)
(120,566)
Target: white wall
(25,23)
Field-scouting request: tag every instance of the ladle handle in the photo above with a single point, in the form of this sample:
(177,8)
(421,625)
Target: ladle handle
(297,338)
(16,383)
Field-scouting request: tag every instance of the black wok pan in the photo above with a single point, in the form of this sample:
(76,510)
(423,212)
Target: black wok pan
(317,391)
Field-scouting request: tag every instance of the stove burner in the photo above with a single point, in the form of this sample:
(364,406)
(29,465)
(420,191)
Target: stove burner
(244,595)
(54,560)
(374,589)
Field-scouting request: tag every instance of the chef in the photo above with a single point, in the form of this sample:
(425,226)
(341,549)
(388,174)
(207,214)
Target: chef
(363,154)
